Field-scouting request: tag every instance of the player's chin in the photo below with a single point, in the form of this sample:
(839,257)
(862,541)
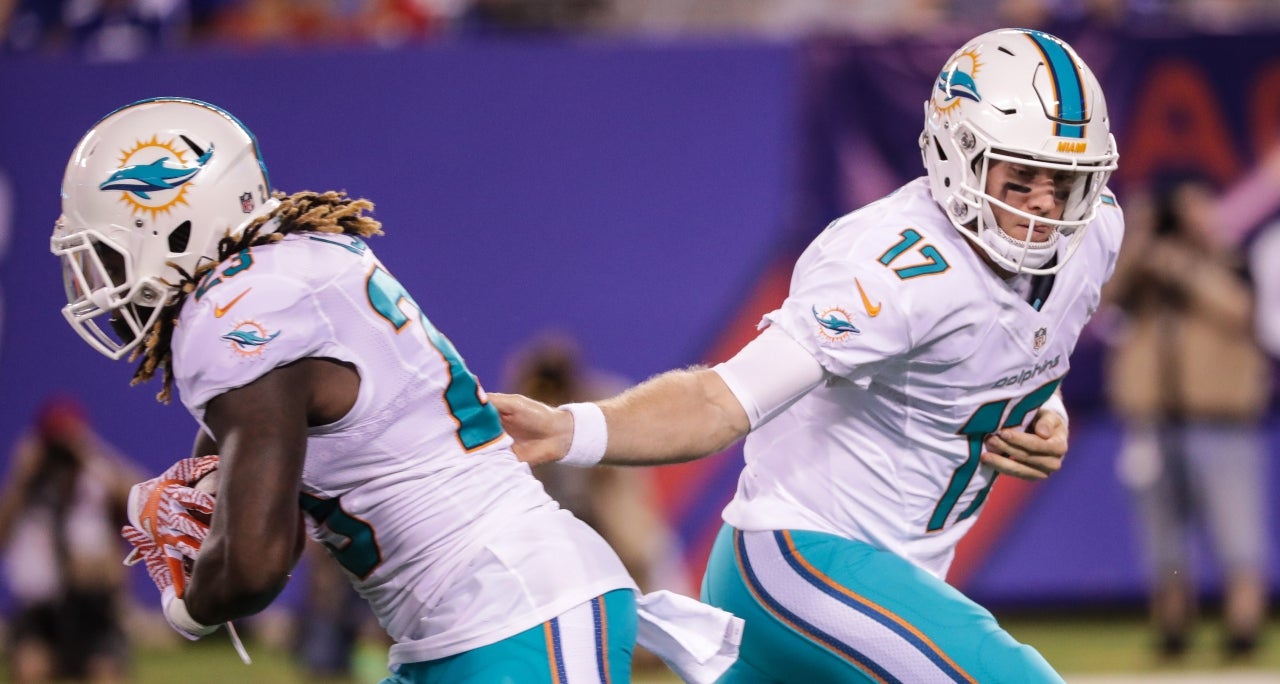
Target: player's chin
(121,328)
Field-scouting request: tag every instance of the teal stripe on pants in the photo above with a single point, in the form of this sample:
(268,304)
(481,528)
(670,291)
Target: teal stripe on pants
(776,649)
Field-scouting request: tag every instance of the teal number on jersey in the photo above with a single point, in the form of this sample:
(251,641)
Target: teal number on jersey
(934,261)
(478,422)
(359,554)
(236,263)
(350,243)
(984,421)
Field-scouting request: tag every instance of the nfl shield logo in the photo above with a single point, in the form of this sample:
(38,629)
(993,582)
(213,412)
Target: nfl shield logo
(246,203)
(1042,336)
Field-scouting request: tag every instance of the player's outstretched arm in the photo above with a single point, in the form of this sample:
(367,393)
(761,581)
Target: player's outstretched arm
(677,416)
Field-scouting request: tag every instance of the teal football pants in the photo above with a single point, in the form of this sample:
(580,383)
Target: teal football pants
(588,644)
(821,608)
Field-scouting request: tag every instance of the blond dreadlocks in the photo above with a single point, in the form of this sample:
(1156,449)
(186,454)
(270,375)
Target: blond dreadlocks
(327,212)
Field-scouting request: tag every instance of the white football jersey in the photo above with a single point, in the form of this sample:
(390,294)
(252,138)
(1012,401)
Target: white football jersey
(928,351)
(415,491)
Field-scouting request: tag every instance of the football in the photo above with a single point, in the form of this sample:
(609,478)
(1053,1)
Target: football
(208,483)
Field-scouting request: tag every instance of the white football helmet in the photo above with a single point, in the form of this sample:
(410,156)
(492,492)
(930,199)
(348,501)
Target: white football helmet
(1025,97)
(149,190)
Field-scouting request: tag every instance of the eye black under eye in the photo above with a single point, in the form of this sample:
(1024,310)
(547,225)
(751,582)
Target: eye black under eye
(1014,187)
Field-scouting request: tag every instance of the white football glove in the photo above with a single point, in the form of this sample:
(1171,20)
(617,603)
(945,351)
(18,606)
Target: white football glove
(167,529)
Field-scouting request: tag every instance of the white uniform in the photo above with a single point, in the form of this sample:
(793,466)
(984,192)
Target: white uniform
(450,539)
(928,352)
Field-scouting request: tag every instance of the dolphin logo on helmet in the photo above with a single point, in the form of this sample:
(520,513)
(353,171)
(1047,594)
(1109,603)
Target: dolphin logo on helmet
(956,83)
(141,179)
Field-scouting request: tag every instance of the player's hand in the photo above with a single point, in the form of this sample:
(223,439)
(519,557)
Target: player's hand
(147,551)
(168,521)
(542,434)
(1033,454)
(167,533)
(164,573)
(189,470)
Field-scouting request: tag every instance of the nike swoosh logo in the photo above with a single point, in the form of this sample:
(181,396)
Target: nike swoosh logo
(220,311)
(873,310)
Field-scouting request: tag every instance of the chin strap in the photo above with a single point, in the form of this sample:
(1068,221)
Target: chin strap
(238,644)
(1020,254)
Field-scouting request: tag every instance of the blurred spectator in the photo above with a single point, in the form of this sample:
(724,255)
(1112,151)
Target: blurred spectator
(21,25)
(121,30)
(483,16)
(60,514)
(387,23)
(777,17)
(1189,380)
(1264,254)
(97,30)
(28,26)
(617,502)
(1224,16)
(277,23)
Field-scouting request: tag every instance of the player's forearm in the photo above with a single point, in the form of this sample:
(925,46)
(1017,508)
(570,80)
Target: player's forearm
(677,416)
(246,560)
(224,587)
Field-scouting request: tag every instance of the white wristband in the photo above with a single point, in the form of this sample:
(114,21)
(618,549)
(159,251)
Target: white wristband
(1055,404)
(590,435)
(175,609)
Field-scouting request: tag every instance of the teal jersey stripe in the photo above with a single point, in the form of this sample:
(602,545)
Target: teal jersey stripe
(1067,84)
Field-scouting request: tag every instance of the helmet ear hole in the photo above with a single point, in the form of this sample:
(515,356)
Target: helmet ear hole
(180,236)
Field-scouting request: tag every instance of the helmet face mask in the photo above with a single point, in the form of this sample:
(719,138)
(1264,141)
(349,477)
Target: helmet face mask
(148,193)
(97,278)
(1017,97)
